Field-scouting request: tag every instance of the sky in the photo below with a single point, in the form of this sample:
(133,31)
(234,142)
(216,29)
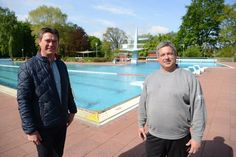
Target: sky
(95,16)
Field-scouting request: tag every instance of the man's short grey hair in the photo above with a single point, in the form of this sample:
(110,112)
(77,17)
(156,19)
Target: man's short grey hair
(164,44)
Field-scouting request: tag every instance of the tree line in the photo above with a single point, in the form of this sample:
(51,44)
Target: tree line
(208,29)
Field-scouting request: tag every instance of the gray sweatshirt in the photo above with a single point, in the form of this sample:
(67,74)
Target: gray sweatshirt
(171,103)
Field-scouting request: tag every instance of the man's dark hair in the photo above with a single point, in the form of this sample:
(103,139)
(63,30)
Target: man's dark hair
(48,30)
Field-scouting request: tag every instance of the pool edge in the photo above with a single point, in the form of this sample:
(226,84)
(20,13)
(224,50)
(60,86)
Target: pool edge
(101,118)
(92,117)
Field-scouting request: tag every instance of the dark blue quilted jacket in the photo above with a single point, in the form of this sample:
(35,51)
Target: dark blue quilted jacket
(37,96)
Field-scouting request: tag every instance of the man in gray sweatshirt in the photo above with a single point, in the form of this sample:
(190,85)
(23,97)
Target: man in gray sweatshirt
(172,113)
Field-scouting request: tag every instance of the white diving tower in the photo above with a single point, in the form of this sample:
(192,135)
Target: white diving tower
(133,48)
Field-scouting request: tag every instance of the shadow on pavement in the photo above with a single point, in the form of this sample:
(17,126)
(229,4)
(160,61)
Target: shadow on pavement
(210,148)
(137,151)
(214,148)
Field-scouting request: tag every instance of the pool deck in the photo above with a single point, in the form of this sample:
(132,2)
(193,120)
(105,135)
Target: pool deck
(118,138)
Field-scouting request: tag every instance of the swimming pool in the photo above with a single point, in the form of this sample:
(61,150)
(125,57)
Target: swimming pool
(99,87)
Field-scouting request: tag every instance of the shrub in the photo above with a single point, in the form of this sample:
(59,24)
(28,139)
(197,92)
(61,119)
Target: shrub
(227,52)
(193,51)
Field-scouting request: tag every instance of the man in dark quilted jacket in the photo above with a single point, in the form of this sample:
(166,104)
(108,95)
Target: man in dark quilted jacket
(44,95)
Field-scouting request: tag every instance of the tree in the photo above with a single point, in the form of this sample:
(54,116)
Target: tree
(228,26)
(8,24)
(15,37)
(227,42)
(26,39)
(21,43)
(77,40)
(95,44)
(201,24)
(72,37)
(106,49)
(153,41)
(115,36)
(44,16)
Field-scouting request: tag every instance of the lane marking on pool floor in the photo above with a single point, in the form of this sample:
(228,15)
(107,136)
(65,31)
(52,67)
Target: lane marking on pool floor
(93,72)
(9,66)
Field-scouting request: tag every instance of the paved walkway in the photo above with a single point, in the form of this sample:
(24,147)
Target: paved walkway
(119,137)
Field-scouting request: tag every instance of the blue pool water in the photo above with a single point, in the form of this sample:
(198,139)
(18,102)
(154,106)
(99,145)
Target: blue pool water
(98,87)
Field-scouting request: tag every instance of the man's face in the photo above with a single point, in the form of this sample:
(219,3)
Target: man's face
(167,58)
(48,44)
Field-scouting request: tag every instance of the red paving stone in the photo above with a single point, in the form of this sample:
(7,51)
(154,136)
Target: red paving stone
(119,137)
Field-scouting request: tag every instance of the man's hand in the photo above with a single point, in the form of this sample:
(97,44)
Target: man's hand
(70,118)
(194,146)
(34,137)
(142,133)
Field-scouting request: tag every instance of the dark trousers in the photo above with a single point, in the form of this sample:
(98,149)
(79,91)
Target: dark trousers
(53,141)
(157,147)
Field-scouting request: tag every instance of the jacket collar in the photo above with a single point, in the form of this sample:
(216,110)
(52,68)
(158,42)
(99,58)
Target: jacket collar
(45,59)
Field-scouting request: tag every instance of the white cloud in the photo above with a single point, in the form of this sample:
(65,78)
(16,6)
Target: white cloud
(21,17)
(21,8)
(158,30)
(91,21)
(93,27)
(98,34)
(105,22)
(153,30)
(115,10)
